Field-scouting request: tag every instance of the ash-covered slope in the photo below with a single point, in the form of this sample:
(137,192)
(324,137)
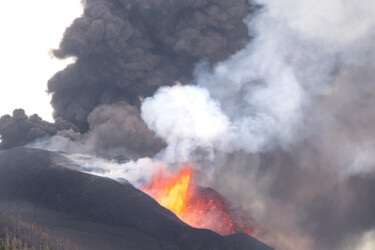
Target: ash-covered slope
(96,212)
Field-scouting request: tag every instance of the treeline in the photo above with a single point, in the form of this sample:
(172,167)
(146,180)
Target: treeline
(16,234)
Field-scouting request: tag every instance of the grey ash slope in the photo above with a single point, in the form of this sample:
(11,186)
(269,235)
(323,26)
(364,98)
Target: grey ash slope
(96,212)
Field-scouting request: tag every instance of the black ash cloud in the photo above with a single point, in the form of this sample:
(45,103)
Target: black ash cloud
(284,121)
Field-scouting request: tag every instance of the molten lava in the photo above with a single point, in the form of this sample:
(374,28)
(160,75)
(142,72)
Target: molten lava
(197,206)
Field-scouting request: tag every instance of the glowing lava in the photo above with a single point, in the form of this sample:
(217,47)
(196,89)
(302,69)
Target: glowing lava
(197,206)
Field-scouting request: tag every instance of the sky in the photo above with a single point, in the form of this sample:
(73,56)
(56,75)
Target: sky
(29,30)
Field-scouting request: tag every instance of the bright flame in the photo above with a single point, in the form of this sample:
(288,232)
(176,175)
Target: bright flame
(199,207)
(171,191)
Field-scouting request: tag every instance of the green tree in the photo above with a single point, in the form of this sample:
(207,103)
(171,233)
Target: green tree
(11,247)
(2,245)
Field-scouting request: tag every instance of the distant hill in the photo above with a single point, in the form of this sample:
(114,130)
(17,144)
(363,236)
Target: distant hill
(93,212)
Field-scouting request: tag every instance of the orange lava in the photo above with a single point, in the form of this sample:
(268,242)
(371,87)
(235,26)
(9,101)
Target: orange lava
(197,206)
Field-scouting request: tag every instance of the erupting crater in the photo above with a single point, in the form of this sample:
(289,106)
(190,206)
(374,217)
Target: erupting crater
(197,206)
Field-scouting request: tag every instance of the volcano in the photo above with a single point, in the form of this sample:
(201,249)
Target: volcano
(94,212)
(198,206)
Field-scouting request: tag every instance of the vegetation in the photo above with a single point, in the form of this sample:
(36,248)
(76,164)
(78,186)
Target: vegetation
(16,234)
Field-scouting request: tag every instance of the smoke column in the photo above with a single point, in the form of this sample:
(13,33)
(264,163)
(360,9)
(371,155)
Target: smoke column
(124,51)
(262,91)
(286,123)
(272,101)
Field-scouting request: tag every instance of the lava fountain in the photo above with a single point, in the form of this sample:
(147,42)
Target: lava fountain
(197,206)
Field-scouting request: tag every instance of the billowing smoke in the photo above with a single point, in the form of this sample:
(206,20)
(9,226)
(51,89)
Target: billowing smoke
(115,130)
(291,125)
(125,50)
(187,119)
(124,170)
(20,129)
(272,100)
(264,89)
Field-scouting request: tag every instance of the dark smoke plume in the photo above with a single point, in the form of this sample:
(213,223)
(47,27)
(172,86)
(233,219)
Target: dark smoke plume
(120,128)
(125,50)
(287,122)
(20,129)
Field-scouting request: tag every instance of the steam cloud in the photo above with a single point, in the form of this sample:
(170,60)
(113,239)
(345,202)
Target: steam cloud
(187,119)
(281,124)
(293,109)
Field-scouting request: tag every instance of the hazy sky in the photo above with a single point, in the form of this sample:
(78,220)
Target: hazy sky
(29,29)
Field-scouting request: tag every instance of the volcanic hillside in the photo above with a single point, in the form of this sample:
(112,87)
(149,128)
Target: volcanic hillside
(94,212)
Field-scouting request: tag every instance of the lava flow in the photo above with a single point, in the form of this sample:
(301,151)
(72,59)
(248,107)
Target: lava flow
(197,206)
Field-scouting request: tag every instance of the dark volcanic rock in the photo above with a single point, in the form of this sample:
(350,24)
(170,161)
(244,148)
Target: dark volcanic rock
(96,212)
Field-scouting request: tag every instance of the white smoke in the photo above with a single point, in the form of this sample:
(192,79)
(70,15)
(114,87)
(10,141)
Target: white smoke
(260,93)
(333,23)
(367,242)
(138,173)
(60,143)
(306,60)
(187,118)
